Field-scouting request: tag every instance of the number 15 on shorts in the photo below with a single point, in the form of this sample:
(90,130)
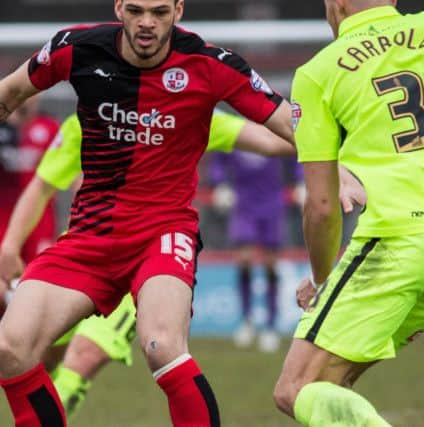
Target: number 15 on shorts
(180,245)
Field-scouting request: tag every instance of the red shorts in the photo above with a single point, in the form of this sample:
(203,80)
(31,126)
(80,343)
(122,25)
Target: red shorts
(106,268)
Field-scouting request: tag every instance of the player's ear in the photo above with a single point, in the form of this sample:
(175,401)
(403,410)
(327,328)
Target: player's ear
(342,9)
(340,3)
(179,10)
(118,9)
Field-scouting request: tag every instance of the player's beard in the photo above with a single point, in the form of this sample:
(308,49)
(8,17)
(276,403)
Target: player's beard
(144,53)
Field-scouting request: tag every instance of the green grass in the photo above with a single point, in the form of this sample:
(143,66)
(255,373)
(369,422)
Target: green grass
(243,382)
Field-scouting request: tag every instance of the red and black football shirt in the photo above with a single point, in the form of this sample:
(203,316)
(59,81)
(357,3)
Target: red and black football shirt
(144,130)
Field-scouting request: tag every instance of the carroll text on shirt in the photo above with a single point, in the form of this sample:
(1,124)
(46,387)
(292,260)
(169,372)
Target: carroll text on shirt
(357,55)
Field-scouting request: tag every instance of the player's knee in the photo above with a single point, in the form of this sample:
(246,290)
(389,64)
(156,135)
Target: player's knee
(12,354)
(156,344)
(161,348)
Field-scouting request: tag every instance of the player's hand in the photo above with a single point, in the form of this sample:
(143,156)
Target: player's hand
(352,192)
(304,293)
(11,266)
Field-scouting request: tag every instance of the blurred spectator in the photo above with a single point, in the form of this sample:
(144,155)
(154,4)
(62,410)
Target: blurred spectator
(255,196)
(23,140)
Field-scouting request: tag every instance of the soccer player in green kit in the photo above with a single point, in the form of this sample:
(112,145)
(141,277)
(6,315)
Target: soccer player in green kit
(97,340)
(360,102)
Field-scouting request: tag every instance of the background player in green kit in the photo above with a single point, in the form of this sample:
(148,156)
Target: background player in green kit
(98,340)
(360,102)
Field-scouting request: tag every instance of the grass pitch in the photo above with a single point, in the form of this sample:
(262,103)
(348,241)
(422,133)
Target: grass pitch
(243,381)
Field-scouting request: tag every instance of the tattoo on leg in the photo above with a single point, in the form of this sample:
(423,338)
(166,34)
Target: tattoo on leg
(4,112)
(153,345)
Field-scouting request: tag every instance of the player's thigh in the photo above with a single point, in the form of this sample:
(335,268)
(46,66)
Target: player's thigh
(40,312)
(164,310)
(305,363)
(366,299)
(162,287)
(412,327)
(113,334)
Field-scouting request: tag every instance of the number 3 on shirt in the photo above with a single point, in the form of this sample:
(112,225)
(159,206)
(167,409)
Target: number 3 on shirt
(412,106)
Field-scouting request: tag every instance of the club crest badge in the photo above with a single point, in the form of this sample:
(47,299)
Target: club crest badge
(296,111)
(175,79)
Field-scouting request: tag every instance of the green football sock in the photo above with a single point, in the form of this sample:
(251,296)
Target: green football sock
(72,389)
(322,404)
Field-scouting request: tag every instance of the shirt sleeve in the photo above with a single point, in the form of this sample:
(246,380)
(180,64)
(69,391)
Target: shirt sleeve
(317,132)
(53,62)
(61,164)
(225,129)
(236,83)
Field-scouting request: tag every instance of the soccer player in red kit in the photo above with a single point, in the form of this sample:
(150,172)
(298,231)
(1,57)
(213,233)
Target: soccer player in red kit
(23,140)
(31,132)
(146,92)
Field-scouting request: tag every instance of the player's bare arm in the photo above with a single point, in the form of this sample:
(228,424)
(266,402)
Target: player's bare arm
(351,194)
(14,90)
(259,139)
(280,122)
(322,223)
(25,217)
(4,112)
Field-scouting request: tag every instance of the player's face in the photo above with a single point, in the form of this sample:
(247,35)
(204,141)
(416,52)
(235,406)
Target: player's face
(148,27)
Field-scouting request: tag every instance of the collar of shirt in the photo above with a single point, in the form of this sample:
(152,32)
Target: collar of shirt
(366,16)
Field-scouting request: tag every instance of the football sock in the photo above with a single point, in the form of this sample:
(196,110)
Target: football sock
(271,296)
(34,400)
(72,389)
(190,398)
(325,404)
(245,291)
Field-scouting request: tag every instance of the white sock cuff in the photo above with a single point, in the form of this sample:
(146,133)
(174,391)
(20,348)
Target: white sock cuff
(171,365)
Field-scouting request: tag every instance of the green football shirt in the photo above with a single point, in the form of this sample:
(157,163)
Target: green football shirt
(361,101)
(61,164)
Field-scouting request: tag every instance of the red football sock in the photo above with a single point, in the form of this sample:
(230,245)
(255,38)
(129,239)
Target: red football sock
(34,400)
(190,397)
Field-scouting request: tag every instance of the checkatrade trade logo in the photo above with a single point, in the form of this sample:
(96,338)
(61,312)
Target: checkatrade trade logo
(152,123)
